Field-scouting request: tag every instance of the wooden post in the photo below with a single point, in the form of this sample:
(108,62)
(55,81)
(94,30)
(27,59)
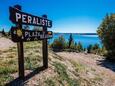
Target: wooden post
(45,47)
(20,52)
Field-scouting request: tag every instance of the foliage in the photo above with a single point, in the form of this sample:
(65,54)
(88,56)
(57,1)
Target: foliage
(73,45)
(3,32)
(94,49)
(70,40)
(96,46)
(9,33)
(58,44)
(106,32)
(103,51)
(89,48)
(79,47)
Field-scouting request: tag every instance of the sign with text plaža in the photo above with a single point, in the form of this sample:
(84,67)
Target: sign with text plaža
(20,35)
(23,35)
(18,17)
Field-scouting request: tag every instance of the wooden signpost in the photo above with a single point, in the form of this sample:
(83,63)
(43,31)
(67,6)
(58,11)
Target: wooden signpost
(20,35)
(17,16)
(23,35)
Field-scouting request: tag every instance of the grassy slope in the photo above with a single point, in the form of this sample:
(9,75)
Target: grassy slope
(61,72)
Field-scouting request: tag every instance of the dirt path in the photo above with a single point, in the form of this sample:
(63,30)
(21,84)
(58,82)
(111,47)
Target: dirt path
(95,62)
(6,43)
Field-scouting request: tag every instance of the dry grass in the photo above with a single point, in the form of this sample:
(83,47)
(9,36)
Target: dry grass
(9,60)
(61,71)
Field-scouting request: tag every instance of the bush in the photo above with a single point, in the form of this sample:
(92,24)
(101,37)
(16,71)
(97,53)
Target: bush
(73,46)
(89,48)
(106,32)
(3,33)
(58,44)
(96,46)
(79,47)
(95,49)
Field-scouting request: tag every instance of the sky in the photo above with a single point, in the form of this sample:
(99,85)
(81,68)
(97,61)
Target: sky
(68,16)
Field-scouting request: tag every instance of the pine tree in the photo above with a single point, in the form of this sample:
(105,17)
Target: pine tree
(70,40)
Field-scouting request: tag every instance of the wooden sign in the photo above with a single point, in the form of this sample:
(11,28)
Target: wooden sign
(18,35)
(18,17)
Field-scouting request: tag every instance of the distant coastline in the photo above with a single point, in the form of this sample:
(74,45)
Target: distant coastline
(76,33)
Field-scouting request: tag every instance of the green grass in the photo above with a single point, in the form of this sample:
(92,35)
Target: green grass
(63,76)
(32,61)
(12,49)
(50,82)
(5,79)
(9,60)
(7,69)
(32,45)
(78,67)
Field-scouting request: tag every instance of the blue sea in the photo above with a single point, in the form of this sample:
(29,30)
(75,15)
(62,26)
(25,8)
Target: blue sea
(86,40)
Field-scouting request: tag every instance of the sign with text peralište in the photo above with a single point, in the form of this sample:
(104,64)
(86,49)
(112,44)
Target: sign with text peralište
(18,17)
(23,35)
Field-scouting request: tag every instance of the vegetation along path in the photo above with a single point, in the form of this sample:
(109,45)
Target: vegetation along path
(102,67)
(65,68)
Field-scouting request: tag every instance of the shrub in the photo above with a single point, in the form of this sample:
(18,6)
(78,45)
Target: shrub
(58,44)
(73,46)
(103,51)
(3,33)
(89,48)
(79,47)
(96,46)
(96,49)
(106,32)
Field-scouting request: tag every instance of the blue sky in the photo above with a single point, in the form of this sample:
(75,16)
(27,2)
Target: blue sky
(76,16)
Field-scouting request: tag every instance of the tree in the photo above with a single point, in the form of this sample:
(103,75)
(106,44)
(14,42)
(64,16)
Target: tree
(70,40)
(3,32)
(58,44)
(106,32)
